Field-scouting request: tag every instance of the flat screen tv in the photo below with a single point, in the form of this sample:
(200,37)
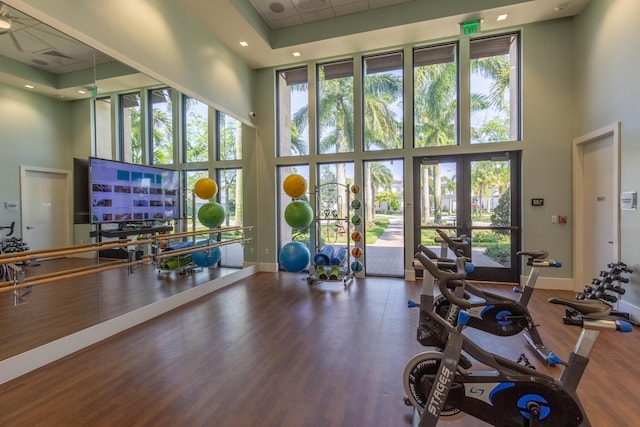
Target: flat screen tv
(126,192)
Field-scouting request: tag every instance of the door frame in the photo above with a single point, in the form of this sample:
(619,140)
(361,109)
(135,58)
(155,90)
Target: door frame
(24,170)
(506,274)
(579,144)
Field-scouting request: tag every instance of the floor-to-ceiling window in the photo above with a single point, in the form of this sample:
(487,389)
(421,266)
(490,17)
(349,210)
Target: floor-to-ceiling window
(131,138)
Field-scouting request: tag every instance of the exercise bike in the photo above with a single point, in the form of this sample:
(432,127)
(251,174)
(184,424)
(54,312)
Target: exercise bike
(4,270)
(490,312)
(510,395)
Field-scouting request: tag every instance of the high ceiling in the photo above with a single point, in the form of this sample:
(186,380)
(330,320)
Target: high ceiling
(273,30)
(289,13)
(329,28)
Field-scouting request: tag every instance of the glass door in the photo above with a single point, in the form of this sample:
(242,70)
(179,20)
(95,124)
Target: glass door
(475,197)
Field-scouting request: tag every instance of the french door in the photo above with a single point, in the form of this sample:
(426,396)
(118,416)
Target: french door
(475,196)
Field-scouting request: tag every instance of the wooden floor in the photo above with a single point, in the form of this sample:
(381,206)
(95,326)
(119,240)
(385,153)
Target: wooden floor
(272,351)
(59,308)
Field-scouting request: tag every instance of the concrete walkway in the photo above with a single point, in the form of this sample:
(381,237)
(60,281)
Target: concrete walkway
(386,255)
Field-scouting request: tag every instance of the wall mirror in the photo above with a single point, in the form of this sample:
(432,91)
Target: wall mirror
(48,82)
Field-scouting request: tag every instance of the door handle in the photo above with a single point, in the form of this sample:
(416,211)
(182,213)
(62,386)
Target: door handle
(610,241)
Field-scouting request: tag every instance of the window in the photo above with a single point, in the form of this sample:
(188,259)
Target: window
(293,112)
(435,93)
(335,107)
(495,89)
(196,130)
(162,126)
(229,138)
(383,116)
(230,196)
(189,181)
(103,128)
(131,128)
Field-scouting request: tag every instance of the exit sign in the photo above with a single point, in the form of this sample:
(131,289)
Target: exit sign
(470,27)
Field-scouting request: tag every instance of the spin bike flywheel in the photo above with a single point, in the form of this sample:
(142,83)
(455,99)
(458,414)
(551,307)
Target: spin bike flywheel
(419,376)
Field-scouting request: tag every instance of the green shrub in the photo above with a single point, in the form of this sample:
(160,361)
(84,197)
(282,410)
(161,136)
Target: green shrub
(500,253)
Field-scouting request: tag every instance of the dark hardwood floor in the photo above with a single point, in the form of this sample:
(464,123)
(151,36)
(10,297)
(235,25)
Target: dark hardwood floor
(273,351)
(57,309)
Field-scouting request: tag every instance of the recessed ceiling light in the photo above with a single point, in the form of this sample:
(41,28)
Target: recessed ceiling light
(5,23)
(276,7)
(244,44)
(29,86)
(502,17)
(81,92)
(296,53)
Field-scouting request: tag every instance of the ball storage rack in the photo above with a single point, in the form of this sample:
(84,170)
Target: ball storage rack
(331,220)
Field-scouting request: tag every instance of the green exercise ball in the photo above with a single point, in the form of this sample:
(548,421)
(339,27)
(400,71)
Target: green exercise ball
(211,214)
(298,214)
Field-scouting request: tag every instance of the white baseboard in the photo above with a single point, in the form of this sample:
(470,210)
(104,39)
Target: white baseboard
(633,310)
(30,360)
(268,267)
(410,275)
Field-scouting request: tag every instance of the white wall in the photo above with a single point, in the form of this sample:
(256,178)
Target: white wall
(607,61)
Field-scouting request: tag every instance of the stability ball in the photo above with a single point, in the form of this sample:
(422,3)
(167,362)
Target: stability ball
(357,266)
(205,188)
(355,188)
(356,236)
(356,220)
(294,186)
(211,214)
(208,257)
(356,204)
(294,257)
(298,214)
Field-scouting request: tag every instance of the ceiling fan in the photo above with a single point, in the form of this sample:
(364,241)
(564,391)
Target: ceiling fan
(6,25)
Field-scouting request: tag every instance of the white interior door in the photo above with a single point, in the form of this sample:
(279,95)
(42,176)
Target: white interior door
(45,197)
(597,207)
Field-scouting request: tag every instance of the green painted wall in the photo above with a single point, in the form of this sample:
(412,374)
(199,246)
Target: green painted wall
(606,91)
(36,131)
(140,34)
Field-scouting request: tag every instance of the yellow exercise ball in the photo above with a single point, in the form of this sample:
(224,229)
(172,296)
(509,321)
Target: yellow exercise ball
(294,185)
(205,188)
(355,188)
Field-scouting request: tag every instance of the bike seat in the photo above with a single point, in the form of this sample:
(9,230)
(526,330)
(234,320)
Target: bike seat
(590,308)
(539,254)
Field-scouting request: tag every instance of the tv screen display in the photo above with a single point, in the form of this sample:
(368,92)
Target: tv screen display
(127,192)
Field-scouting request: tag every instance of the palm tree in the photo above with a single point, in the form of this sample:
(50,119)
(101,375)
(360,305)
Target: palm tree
(162,126)
(380,177)
(381,128)
(435,113)
(449,188)
(335,122)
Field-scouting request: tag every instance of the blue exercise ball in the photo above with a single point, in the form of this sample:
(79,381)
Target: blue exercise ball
(208,257)
(294,257)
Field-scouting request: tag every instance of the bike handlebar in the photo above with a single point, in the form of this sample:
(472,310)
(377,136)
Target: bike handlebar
(11,227)
(445,277)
